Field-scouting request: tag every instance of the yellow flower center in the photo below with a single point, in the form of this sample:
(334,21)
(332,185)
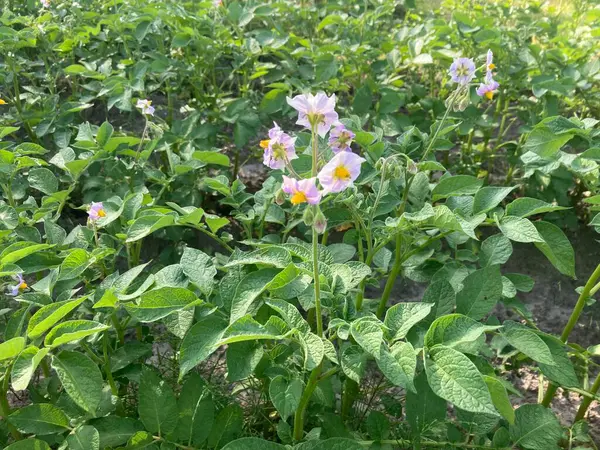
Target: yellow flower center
(23,285)
(341,173)
(279,151)
(298,197)
(101,213)
(489,95)
(2,102)
(264,143)
(491,66)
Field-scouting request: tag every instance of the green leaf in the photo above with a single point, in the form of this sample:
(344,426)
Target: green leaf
(401,317)
(248,290)
(80,377)
(28,444)
(25,366)
(147,225)
(562,371)
(423,407)
(247,329)
(556,247)
(211,157)
(363,99)
(482,289)
(336,443)
(43,180)
(455,186)
(519,229)
(199,268)
(378,425)
(128,354)
(453,377)
(544,142)
(39,419)
(442,295)
(527,341)
(48,315)
(159,303)
(253,444)
(11,348)
(500,398)
(104,134)
(313,348)
(115,430)
(454,330)
(196,412)
(489,197)
(367,333)
(354,362)
(535,428)
(290,314)
(526,206)
(20,250)
(85,437)
(215,223)
(242,359)
(285,395)
(157,406)
(75,264)
(228,426)
(200,341)
(399,364)
(72,330)
(495,250)
(289,283)
(270,256)
(342,252)
(523,283)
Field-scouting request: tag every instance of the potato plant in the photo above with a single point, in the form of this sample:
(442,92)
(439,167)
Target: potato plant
(153,298)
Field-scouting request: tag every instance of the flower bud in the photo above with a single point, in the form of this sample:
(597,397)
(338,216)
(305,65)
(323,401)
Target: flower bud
(411,167)
(280,197)
(320,222)
(308,216)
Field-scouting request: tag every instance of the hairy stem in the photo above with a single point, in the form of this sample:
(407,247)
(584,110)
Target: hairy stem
(308,391)
(585,404)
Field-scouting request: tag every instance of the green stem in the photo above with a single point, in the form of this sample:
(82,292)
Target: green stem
(139,149)
(585,294)
(208,233)
(107,368)
(5,407)
(117,325)
(585,404)
(308,391)
(315,239)
(389,284)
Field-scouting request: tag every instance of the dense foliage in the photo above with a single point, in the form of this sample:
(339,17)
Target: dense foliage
(179,272)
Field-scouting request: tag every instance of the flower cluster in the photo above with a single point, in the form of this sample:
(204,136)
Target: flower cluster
(316,113)
(489,85)
(462,71)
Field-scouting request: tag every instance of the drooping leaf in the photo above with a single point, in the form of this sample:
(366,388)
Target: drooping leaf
(285,395)
(399,364)
(556,247)
(157,405)
(196,412)
(80,377)
(535,428)
(200,341)
(453,377)
(227,427)
(72,330)
(40,419)
(495,250)
(482,289)
(199,268)
(25,365)
(500,398)
(401,317)
(85,437)
(527,341)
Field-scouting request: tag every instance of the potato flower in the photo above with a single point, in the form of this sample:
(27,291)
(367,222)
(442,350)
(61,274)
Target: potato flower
(302,191)
(339,173)
(318,110)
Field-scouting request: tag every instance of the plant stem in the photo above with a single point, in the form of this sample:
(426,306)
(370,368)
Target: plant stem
(139,149)
(308,391)
(585,294)
(107,369)
(585,403)
(5,407)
